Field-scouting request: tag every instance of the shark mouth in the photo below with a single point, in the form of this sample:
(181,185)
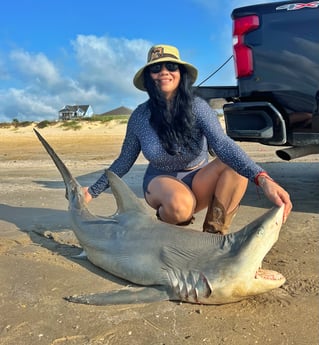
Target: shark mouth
(268,274)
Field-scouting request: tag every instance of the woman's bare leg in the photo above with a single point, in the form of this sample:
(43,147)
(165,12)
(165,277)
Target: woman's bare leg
(218,179)
(172,198)
(176,202)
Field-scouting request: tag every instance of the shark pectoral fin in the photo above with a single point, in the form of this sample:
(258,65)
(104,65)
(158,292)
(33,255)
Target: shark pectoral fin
(124,296)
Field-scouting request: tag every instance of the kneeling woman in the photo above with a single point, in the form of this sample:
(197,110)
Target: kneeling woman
(174,129)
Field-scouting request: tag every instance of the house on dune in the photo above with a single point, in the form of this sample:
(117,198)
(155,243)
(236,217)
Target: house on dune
(72,112)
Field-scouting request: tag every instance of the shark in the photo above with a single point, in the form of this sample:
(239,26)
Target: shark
(164,262)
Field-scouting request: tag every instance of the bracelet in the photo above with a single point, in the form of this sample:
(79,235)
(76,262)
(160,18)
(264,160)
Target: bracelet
(262,174)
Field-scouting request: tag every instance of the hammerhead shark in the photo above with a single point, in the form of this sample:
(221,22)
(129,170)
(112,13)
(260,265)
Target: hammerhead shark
(164,261)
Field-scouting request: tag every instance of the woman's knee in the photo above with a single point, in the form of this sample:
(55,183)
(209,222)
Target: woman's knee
(237,179)
(177,208)
(222,169)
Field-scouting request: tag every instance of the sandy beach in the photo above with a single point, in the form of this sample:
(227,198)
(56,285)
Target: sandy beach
(37,245)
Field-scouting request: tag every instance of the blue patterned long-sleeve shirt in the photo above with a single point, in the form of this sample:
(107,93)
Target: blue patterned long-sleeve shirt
(141,137)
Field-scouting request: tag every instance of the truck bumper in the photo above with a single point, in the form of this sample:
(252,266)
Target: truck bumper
(255,121)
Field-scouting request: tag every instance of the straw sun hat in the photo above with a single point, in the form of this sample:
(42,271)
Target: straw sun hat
(161,53)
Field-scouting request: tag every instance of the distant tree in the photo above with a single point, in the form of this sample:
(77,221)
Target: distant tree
(15,122)
(43,124)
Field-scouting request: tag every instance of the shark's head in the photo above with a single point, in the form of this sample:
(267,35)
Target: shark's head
(239,274)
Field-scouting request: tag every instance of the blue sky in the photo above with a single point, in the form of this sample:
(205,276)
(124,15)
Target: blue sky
(58,52)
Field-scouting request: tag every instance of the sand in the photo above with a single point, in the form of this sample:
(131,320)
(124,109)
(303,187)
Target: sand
(37,268)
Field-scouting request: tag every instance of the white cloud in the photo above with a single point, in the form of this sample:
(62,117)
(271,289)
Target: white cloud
(36,66)
(110,63)
(19,104)
(101,75)
(4,73)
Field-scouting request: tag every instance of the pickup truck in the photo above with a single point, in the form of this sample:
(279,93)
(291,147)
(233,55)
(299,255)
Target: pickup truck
(276,56)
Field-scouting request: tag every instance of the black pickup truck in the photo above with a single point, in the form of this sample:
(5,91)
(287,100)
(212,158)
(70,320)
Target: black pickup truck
(276,99)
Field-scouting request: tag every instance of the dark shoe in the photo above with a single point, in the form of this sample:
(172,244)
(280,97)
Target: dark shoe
(187,222)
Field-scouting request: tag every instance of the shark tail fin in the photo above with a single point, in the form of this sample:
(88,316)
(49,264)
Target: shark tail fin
(69,180)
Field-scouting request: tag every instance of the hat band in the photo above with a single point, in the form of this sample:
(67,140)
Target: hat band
(156,56)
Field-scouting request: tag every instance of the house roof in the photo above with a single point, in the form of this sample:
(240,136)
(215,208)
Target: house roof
(74,108)
(118,111)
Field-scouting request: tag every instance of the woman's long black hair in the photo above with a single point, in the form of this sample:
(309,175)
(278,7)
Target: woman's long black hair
(173,123)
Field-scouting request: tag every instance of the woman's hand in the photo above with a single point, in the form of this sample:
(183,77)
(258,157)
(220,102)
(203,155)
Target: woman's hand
(276,194)
(87,195)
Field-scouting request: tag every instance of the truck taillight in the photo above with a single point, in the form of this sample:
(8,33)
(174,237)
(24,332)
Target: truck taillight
(242,53)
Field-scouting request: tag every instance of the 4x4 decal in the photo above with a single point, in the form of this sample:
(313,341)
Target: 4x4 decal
(298,6)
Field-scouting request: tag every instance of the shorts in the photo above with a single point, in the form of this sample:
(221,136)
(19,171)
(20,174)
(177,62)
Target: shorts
(185,176)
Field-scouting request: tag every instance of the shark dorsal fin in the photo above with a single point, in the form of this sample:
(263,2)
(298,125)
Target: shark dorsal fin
(125,198)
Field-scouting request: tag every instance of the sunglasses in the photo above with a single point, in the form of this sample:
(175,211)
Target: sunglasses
(157,67)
